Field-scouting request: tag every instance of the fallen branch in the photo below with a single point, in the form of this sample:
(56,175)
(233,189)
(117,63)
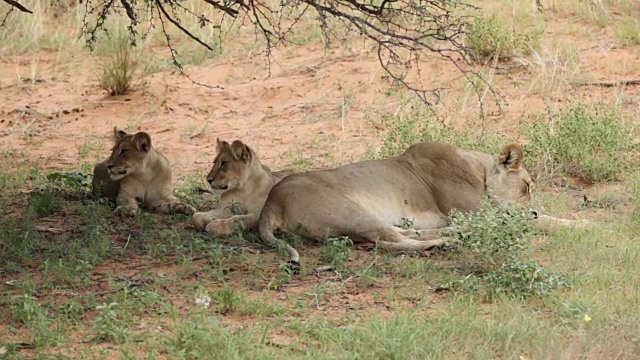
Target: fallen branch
(616,83)
(48,229)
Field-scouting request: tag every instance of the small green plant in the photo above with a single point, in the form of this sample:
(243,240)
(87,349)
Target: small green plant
(336,250)
(226,298)
(18,239)
(284,276)
(490,236)
(107,326)
(25,309)
(491,38)
(46,201)
(592,143)
(628,31)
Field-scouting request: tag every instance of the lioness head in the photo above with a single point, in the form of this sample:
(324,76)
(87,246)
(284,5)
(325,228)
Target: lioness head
(509,182)
(231,167)
(128,153)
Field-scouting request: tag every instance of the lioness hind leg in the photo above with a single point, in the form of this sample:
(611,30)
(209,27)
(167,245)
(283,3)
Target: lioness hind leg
(390,239)
(419,234)
(225,226)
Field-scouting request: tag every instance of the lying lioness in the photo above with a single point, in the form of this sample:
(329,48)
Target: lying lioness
(134,172)
(368,200)
(246,184)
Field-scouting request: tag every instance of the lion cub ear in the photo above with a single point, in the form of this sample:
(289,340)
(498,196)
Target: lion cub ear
(118,134)
(240,151)
(512,156)
(142,141)
(221,145)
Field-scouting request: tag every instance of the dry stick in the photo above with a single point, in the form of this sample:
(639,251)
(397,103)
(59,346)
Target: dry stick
(608,83)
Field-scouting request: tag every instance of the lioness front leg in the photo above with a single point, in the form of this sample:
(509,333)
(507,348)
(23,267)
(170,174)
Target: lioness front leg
(225,226)
(126,205)
(546,222)
(172,206)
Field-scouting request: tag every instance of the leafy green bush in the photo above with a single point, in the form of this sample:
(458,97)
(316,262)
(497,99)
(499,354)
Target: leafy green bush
(489,237)
(491,38)
(591,143)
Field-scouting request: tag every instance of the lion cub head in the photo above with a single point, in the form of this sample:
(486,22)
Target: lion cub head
(232,166)
(509,182)
(128,154)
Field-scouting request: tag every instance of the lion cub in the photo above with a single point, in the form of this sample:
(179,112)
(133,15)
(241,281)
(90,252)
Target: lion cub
(246,184)
(134,172)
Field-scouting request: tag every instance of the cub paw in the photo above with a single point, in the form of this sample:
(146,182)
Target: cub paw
(126,211)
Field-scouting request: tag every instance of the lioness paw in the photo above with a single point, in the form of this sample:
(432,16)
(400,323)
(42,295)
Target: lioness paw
(220,227)
(126,211)
(202,219)
(185,209)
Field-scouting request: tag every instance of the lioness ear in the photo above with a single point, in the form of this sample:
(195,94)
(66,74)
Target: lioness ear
(118,134)
(142,141)
(221,145)
(240,151)
(512,156)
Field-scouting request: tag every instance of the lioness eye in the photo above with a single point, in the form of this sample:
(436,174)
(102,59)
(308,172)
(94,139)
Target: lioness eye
(223,164)
(123,151)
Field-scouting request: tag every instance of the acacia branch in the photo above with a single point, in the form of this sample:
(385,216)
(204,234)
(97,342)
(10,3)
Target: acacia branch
(18,6)
(182,28)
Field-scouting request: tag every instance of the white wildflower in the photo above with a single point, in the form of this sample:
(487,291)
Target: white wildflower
(203,299)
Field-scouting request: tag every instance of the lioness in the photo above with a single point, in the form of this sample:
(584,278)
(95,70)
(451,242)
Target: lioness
(246,184)
(368,200)
(134,172)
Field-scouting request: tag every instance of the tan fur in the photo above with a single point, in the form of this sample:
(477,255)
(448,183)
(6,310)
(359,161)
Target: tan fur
(246,184)
(368,200)
(134,172)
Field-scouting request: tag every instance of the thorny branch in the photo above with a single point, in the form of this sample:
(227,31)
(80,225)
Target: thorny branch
(408,34)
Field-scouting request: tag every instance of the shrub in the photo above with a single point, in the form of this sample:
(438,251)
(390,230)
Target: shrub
(490,236)
(628,31)
(591,143)
(418,124)
(517,278)
(514,278)
(120,65)
(490,38)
